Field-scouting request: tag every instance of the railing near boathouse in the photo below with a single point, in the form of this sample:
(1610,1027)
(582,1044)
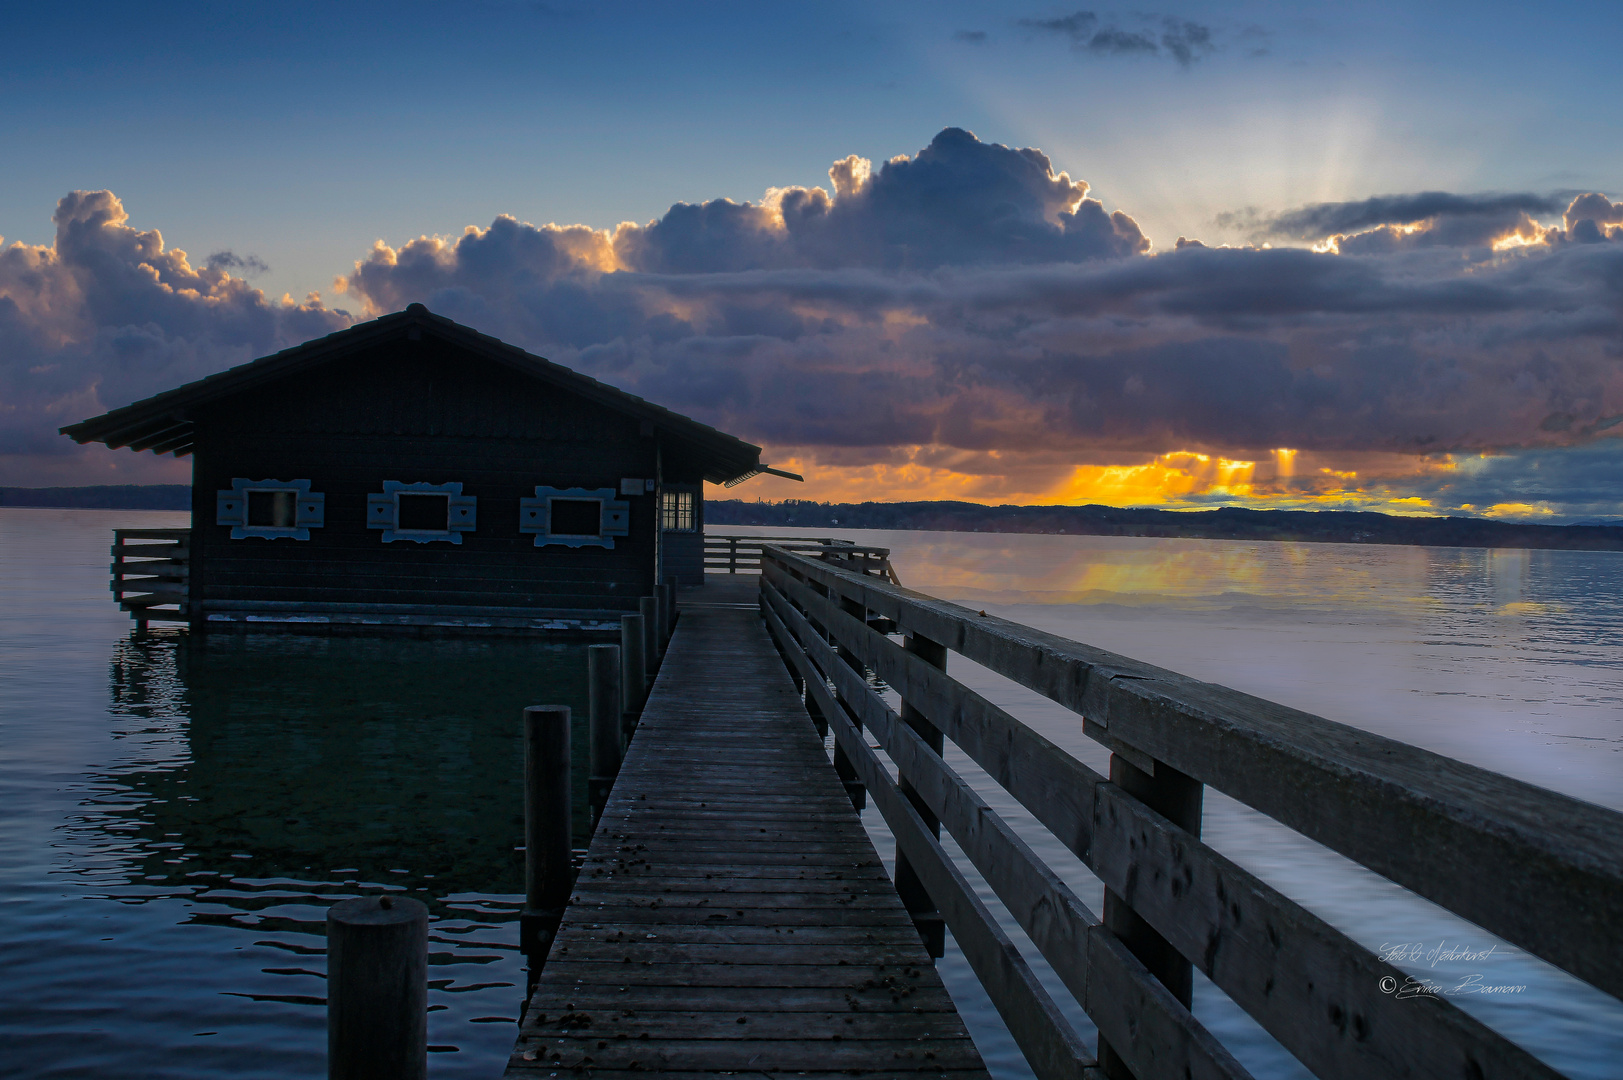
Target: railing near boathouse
(151,573)
(1542,871)
(726,554)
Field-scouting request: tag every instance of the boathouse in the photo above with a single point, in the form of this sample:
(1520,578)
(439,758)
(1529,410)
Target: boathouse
(413,472)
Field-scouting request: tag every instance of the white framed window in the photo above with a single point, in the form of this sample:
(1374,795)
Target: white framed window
(422,513)
(270,509)
(676,511)
(574,517)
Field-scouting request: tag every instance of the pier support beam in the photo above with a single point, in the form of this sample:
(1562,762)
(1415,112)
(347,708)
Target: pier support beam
(548,869)
(605,711)
(377,989)
(1178,798)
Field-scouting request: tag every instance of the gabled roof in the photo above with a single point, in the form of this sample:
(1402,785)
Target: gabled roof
(164,423)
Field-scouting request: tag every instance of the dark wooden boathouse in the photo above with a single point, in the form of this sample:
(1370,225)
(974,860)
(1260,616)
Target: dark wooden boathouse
(412,472)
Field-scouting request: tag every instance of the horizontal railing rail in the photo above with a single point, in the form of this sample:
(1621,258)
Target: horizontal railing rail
(726,554)
(1539,869)
(151,573)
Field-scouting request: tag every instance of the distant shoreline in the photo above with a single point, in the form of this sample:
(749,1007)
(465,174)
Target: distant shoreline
(1227,523)
(103,497)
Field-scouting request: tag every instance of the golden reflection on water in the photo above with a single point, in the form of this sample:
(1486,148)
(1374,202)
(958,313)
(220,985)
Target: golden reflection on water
(1141,571)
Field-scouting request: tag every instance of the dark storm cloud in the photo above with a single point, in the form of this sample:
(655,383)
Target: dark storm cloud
(967,298)
(1180,39)
(1319,220)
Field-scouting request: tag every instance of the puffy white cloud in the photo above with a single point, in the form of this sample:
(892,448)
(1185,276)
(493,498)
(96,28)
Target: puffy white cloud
(104,316)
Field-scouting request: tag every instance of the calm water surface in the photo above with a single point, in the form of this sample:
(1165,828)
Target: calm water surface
(175,818)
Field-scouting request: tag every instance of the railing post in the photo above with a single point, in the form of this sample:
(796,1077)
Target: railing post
(732,555)
(633,671)
(548,833)
(670,610)
(604,712)
(932,928)
(377,989)
(1178,798)
(842,763)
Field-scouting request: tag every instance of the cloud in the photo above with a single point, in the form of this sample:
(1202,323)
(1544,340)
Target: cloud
(106,315)
(971,37)
(1180,39)
(1390,223)
(964,318)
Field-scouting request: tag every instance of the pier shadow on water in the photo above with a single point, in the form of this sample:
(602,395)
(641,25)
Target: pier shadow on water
(266,777)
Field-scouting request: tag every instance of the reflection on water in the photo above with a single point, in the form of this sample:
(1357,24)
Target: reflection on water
(255,782)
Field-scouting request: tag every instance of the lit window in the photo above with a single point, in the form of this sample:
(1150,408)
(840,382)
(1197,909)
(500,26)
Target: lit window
(676,511)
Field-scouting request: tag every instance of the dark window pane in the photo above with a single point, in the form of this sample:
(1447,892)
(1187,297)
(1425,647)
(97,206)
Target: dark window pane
(424,513)
(576,517)
(271,509)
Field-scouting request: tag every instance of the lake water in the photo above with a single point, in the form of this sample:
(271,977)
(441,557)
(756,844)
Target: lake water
(176,817)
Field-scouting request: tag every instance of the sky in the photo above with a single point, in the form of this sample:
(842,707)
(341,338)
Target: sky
(1258,254)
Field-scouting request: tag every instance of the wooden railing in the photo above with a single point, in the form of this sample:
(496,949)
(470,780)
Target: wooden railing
(742,554)
(1540,870)
(150,573)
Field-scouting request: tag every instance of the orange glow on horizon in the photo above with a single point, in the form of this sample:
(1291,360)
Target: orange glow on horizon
(1177,480)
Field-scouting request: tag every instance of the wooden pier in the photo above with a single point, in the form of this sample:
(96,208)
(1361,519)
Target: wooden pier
(732,914)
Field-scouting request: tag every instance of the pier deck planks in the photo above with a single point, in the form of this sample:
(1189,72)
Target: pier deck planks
(732,915)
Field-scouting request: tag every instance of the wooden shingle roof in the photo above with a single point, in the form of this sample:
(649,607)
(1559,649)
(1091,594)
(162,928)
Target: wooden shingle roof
(164,423)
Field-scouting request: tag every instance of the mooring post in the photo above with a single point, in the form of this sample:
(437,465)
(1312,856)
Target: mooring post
(633,670)
(377,989)
(548,871)
(1177,797)
(932,928)
(650,635)
(662,618)
(606,712)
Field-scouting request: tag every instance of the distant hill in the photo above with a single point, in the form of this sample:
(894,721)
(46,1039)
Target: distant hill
(106,497)
(1228,523)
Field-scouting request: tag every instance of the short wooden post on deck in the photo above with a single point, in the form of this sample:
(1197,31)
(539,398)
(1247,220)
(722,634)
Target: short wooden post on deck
(932,928)
(548,839)
(377,989)
(633,670)
(605,712)
(1178,798)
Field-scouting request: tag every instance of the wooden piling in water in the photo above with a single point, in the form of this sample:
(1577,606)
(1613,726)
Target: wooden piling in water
(377,989)
(633,671)
(606,722)
(548,871)
(649,606)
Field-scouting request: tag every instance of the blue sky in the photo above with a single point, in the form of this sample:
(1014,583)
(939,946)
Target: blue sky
(295,137)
